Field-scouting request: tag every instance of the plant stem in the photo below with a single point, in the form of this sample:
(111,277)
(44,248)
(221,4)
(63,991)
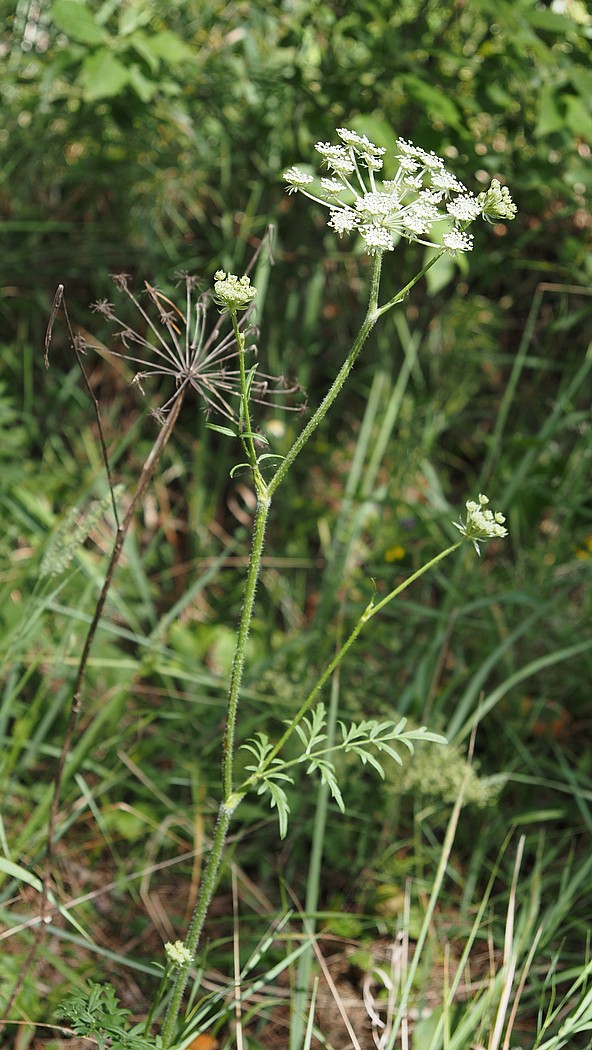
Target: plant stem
(238,662)
(371,610)
(246,436)
(372,314)
(264,494)
(197,922)
(258,540)
(398,298)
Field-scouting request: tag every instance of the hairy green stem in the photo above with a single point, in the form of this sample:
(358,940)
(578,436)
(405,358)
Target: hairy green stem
(372,314)
(265,491)
(258,540)
(371,610)
(398,298)
(238,662)
(246,435)
(264,494)
(197,922)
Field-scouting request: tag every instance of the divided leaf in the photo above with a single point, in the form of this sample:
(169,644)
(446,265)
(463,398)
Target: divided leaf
(363,739)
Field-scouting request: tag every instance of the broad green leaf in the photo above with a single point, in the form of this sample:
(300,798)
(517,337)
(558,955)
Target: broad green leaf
(581,78)
(171,48)
(140,42)
(578,117)
(77,22)
(131,17)
(441,273)
(498,94)
(433,99)
(102,76)
(549,118)
(145,89)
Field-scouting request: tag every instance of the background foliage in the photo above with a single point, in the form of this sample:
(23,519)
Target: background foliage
(153,139)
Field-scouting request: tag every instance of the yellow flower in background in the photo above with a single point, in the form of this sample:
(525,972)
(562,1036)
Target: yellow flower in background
(586,550)
(395,553)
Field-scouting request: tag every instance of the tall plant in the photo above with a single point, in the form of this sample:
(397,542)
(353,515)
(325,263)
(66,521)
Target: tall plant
(425,203)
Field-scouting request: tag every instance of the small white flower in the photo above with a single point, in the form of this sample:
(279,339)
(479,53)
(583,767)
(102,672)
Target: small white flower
(481,523)
(296,179)
(360,144)
(332,186)
(177,954)
(414,182)
(336,157)
(464,208)
(231,292)
(343,220)
(377,239)
(422,194)
(375,206)
(424,210)
(457,241)
(496,203)
(373,163)
(445,180)
(428,160)
(415,224)
(408,164)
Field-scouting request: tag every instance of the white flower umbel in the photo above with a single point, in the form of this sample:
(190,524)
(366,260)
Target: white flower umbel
(177,954)
(422,195)
(481,523)
(231,292)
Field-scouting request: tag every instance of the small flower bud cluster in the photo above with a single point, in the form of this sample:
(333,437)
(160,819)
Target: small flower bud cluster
(481,523)
(422,194)
(177,954)
(496,203)
(231,292)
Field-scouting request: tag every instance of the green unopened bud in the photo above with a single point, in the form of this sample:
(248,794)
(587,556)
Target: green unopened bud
(496,203)
(231,292)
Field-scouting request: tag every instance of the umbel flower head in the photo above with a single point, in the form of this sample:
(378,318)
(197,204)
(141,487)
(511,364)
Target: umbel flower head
(177,954)
(176,340)
(481,523)
(231,292)
(422,197)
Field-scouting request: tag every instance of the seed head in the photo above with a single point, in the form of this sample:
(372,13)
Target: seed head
(176,340)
